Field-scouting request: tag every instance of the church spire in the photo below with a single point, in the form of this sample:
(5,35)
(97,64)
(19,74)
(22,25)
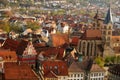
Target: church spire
(108,18)
(96,15)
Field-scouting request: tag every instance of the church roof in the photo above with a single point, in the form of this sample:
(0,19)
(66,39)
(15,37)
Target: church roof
(92,35)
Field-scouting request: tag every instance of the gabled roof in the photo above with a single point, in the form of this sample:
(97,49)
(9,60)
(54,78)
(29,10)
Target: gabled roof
(57,66)
(30,50)
(8,55)
(96,68)
(53,51)
(75,40)
(21,47)
(59,39)
(75,67)
(10,44)
(26,48)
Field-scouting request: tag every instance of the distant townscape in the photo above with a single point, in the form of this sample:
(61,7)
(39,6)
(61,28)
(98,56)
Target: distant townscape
(59,39)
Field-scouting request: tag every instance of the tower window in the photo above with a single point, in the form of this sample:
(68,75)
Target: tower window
(109,27)
(109,33)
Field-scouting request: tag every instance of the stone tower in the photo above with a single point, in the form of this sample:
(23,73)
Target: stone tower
(107,32)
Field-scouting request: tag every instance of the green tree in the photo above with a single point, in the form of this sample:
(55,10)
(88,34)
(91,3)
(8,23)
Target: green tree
(100,61)
(33,25)
(5,26)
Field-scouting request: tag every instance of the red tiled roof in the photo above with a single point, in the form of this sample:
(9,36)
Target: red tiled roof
(10,44)
(59,39)
(48,51)
(8,55)
(75,40)
(21,47)
(15,71)
(58,67)
(50,75)
(75,67)
(92,35)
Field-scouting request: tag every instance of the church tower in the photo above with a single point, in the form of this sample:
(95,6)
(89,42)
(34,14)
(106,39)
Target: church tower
(107,32)
(107,28)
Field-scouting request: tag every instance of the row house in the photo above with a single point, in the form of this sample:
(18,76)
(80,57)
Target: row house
(75,72)
(85,70)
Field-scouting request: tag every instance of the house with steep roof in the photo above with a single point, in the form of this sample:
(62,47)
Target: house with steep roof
(18,71)
(54,69)
(6,56)
(75,72)
(85,70)
(26,53)
(97,72)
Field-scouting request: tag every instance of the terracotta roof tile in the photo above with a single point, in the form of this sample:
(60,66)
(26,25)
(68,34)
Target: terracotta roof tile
(50,75)
(92,35)
(15,71)
(96,68)
(59,39)
(48,51)
(58,67)
(10,44)
(21,47)
(75,67)
(75,40)
(8,55)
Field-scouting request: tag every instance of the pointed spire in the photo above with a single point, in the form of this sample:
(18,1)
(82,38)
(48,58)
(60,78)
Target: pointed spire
(96,15)
(108,18)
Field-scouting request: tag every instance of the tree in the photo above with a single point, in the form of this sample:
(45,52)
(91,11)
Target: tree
(4,2)
(5,26)
(100,61)
(33,25)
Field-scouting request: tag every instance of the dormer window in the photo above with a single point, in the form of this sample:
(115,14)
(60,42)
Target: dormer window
(56,67)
